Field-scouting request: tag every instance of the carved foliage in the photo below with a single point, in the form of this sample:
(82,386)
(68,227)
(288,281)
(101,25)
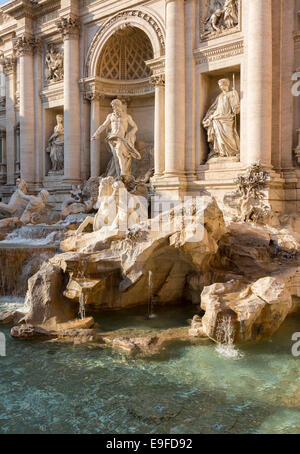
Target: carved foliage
(68,26)
(26,45)
(250,188)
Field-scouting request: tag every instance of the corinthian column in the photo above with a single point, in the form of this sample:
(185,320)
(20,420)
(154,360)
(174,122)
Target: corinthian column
(9,69)
(259,82)
(159,124)
(69,28)
(95,145)
(175,89)
(24,46)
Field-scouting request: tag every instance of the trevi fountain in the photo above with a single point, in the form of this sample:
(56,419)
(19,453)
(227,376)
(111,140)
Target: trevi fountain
(149,217)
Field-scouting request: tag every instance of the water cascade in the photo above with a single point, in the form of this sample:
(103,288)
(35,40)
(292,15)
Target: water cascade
(225,337)
(82,305)
(22,253)
(150,297)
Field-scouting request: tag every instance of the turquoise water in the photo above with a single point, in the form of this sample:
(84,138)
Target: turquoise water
(62,388)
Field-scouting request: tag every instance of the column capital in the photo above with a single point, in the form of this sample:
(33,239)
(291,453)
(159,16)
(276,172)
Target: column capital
(157,80)
(26,44)
(9,65)
(69,26)
(92,96)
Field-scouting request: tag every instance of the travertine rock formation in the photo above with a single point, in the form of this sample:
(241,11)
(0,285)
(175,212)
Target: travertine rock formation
(242,276)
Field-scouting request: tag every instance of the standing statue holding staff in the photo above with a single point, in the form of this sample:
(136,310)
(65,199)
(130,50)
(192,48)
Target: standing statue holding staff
(121,139)
(220,122)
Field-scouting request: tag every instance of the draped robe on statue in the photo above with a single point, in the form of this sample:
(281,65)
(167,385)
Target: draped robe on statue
(221,125)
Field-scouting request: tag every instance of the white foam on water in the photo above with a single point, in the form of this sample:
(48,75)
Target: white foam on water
(28,236)
(225,337)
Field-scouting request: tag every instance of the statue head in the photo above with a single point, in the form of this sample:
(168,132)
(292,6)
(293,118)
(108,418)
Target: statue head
(22,185)
(117,106)
(60,118)
(224,84)
(44,195)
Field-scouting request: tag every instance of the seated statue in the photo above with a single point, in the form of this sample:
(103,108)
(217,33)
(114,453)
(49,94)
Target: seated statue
(16,205)
(56,146)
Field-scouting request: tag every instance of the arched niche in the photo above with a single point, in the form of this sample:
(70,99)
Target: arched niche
(120,71)
(134,19)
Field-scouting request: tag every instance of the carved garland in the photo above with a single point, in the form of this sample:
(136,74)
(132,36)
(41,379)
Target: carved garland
(116,18)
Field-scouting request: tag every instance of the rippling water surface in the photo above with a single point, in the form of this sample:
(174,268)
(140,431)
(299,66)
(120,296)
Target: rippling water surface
(62,388)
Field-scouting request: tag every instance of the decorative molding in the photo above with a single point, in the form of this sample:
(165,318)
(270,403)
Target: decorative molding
(91,87)
(157,65)
(217,53)
(47,17)
(140,14)
(55,92)
(68,26)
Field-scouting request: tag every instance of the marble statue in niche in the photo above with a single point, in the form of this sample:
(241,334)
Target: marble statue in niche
(55,146)
(222,16)
(121,139)
(55,64)
(220,122)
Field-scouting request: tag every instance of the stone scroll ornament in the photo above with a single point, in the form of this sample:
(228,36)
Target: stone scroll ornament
(220,122)
(222,17)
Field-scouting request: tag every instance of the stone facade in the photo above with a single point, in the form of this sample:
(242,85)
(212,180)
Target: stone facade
(164,58)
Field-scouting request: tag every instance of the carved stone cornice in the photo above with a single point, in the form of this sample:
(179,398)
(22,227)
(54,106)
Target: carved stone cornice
(216,53)
(158,79)
(53,93)
(68,26)
(91,87)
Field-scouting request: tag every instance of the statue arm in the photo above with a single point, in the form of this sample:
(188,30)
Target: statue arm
(24,196)
(208,117)
(101,128)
